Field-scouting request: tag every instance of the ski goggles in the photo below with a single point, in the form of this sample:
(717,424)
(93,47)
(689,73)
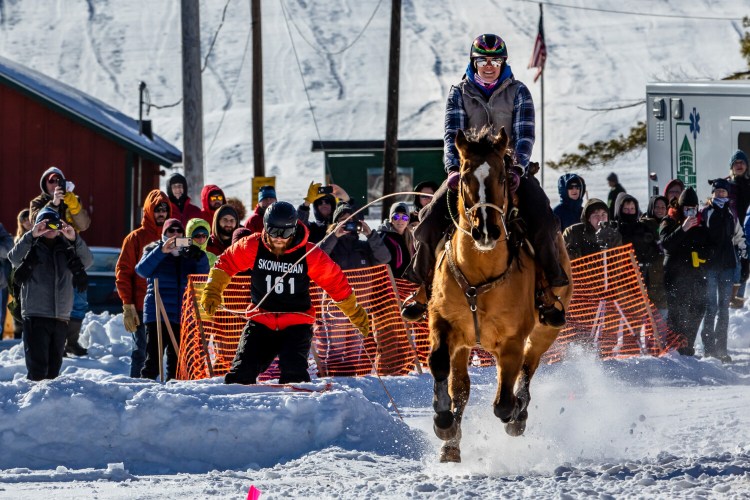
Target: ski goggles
(281,232)
(484,61)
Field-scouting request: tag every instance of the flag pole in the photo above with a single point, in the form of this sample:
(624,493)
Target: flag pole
(541,12)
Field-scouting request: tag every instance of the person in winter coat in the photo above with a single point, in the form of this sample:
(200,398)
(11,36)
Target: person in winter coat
(171,264)
(593,234)
(739,197)
(266,197)
(199,231)
(57,193)
(212,197)
(398,238)
(23,225)
(422,200)
(724,234)
(635,232)
(281,279)
(50,260)
(323,206)
(132,288)
(6,243)
(615,188)
(654,274)
(346,248)
(225,222)
(571,188)
(182,208)
(684,240)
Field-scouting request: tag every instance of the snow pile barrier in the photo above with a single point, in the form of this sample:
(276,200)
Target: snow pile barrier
(610,313)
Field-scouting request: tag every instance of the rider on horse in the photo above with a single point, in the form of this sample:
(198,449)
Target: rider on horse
(489,95)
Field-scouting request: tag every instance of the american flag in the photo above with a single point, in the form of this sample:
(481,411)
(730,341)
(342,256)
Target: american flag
(539,56)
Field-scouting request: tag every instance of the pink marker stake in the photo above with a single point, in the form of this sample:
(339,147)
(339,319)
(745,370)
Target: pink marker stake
(253,493)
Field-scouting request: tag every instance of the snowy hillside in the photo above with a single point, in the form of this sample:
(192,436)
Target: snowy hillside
(596,59)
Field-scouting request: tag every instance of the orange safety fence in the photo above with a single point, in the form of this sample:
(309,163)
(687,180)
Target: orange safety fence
(610,313)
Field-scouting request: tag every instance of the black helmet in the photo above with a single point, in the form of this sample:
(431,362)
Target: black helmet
(280,220)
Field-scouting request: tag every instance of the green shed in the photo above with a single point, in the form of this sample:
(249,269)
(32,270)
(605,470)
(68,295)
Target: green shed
(357,166)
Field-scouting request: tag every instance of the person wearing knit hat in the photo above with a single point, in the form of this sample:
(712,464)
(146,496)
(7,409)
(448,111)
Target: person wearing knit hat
(177,190)
(685,242)
(170,261)
(50,264)
(266,197)
(226,221)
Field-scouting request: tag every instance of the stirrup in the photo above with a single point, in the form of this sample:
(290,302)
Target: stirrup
(413,310)
(549,314)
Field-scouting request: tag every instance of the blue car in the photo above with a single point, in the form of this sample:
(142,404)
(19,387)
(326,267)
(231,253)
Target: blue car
(102,291)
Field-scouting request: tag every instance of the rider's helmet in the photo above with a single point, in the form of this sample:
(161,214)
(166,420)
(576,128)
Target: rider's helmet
(488,45)
(280,220)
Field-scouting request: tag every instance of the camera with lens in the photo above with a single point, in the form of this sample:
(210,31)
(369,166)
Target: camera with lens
(605,224)
(353,226)
(61,183)
(325,190)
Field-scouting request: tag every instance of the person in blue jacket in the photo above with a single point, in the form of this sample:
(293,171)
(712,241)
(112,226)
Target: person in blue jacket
(171,263)
(571,188)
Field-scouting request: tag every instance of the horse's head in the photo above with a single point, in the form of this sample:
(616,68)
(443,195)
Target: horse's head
(483,193)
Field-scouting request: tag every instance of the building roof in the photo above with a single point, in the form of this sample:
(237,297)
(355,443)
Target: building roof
(88,111)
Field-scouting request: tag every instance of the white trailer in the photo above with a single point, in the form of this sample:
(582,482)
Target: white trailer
(693,129)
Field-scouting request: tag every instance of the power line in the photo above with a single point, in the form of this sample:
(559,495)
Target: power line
(304,84)
(632,13)
(231,94)
(324,51)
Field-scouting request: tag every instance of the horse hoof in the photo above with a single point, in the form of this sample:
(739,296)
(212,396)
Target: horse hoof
(504,414)
(444,425)
(450,454)
(515,428)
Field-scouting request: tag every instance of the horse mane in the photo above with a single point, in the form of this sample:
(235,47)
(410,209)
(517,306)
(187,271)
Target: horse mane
(481,141)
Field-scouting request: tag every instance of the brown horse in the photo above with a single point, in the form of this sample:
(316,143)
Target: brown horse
(483,294)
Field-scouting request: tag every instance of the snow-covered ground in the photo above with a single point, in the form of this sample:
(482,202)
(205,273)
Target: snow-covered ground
(642,427)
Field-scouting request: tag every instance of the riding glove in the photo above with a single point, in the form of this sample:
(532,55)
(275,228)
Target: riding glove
(356,314)
(130,317)
(211,296)
(453,178)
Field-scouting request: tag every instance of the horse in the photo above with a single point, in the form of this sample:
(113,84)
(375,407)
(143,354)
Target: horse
(498,281)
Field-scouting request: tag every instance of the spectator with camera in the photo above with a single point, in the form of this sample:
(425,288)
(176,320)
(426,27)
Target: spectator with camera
(266,197)
(50,261)
(132,288)
(324,200)
(177,190)
(199,232)
(212,197)
(571,188)
(57,194)
(346,248)
(685,242)
(170,260)
(225,222)
(398,238)
(594,233)
(725,240)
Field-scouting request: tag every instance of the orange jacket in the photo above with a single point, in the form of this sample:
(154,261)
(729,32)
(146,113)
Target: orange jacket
(130,287)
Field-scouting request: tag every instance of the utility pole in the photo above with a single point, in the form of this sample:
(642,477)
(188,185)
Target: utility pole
(259,159)
(390,155)
(192,95)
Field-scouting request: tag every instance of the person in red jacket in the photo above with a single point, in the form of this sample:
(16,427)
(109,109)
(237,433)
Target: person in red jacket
(212,197)
(266,197)
(132,288)
(280,284)
(177,190)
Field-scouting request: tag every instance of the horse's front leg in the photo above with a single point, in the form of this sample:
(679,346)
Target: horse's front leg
(509,358)
(459,389)
(444,423)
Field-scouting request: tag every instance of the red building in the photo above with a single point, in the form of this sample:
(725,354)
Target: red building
(45,123)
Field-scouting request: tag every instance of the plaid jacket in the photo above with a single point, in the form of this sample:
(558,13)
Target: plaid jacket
(522,140)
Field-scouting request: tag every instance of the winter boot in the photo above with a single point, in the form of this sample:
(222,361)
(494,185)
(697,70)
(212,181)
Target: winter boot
(415,305)
(736,302)
(71,341)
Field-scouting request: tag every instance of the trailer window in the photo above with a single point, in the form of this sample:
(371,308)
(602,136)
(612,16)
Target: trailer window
(743,141)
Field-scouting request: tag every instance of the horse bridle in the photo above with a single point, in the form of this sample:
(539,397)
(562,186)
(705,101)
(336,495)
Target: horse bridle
(469,212)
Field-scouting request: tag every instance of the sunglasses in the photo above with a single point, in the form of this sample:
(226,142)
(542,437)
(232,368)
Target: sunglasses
(216,197)
(402,217)
(200,236)
(280,232)
(324,201)
(483,61)
(53,180)
(163,210)
(173,230)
